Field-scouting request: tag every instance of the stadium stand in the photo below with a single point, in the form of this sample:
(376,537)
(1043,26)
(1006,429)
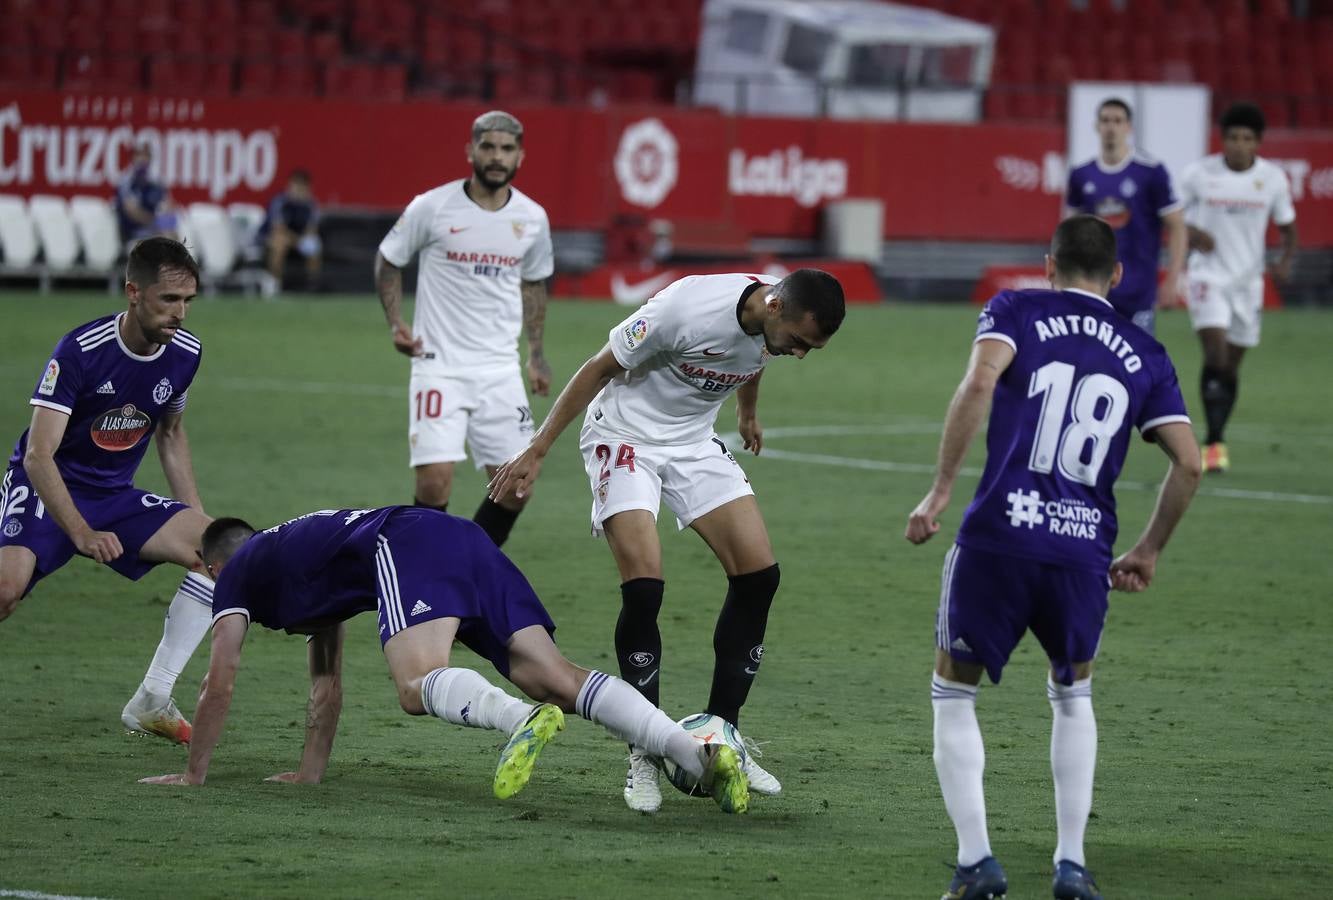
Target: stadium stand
(624,51)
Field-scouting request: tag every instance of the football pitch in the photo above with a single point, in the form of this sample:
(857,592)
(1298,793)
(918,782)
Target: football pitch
(1215,769)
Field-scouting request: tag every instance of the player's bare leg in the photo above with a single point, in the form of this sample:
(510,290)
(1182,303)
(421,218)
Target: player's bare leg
(1219,385)
(434,483)
(16,567)
(152,710)
(538,668)
(496,517)
(632,537)
(736,533)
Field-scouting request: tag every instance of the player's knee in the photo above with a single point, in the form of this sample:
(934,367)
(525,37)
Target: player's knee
(10,594)
(433,488)
(757,588)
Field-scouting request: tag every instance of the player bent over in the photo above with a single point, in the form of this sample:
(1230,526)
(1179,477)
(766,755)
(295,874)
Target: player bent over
(1066,379)
(652,395)
(69,487)
(433,578)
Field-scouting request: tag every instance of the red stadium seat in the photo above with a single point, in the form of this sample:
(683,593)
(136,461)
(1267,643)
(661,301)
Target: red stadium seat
(256,42)
(294,79)
(256,78)
(28,69)
(290,45)
(326,46)
(391,83)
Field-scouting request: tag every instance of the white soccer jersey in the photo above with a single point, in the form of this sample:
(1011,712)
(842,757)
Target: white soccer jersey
(1234,207)
(469,310)
(684,352)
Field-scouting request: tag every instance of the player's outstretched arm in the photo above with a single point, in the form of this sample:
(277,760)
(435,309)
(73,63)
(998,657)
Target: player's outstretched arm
(534,324)
(211,713)
(44,436)
(1134,570)
(967,410)
(519,473)
(173,449)
(389,284)
(326,703)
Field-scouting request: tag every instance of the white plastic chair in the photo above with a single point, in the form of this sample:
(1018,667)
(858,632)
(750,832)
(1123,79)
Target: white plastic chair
(246,220)
(18,235)
(95,222)
(55,229)
(216,245)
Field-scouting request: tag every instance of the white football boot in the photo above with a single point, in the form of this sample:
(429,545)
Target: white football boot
(761,781)
(642,793)
(148,714)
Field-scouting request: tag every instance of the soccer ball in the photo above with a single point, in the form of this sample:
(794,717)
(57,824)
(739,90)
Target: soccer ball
(706,729)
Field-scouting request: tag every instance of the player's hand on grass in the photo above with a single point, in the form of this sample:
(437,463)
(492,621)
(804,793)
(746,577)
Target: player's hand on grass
(102,546)
(752,433)
(515,477)
(925,519)
(168,779)
(539,375)
(1133,571)
(403,341)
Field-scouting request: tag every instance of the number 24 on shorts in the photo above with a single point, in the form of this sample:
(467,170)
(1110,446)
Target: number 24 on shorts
(624,459)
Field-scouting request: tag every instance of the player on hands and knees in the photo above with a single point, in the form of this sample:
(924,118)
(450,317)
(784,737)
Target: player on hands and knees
(1066,379)
(433,578)
(652,395)
(1133,193)
(485,254)
(1229,199)
(69,487)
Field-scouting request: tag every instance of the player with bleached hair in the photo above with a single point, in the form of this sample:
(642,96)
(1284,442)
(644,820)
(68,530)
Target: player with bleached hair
(652,395)
(432,578)
(1067,380)
(484,251)
(1229,198)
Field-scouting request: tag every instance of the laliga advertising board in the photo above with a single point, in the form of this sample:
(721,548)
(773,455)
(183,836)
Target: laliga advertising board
(765,177)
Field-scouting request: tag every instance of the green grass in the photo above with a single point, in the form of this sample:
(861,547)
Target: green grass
(1215,770)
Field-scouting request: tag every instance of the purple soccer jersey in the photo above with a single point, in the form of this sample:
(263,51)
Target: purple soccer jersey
(1082,376)
(412,564)
(114,399)
(1132,198)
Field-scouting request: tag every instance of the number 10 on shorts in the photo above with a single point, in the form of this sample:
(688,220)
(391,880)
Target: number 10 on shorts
(624,459)
(430,402)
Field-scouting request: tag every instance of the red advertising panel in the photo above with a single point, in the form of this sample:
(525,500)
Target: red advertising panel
(763,177)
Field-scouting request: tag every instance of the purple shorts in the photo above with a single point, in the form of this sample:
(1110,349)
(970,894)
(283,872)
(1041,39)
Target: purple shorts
(130,514)
(989,600)
(430,566)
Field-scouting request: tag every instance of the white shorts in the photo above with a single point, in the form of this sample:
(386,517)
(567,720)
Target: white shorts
(1234,307)
(693,479)
(488,410)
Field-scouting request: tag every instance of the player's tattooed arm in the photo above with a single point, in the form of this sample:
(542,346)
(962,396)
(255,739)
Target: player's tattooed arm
(389,285)
(173,449)
(534,324)
(44,437)
(323,708)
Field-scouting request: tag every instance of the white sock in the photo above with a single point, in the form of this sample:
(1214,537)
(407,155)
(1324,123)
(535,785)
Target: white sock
(463,697)
(625,713)
(960,759)
(1073,760)
(188,618)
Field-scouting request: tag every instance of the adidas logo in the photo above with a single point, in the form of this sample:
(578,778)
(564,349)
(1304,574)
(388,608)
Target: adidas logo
(106,389)
(958,644)
(420,608)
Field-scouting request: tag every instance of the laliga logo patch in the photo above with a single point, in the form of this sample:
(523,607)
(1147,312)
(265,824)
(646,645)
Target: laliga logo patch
(162,392)
(13,527)
(48,385)
(636,332)
(642,659)
(120,429)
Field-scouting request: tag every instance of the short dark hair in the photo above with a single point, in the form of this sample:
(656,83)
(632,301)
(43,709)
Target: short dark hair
(1084,247)
(1116,101)
(301,175)
(1243,115)
(812,291)
(150,256)
(222,538)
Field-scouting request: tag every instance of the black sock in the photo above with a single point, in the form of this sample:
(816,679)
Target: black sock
(638,642)
(738,640)
(443,507)
(1219,389)
(495,520)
